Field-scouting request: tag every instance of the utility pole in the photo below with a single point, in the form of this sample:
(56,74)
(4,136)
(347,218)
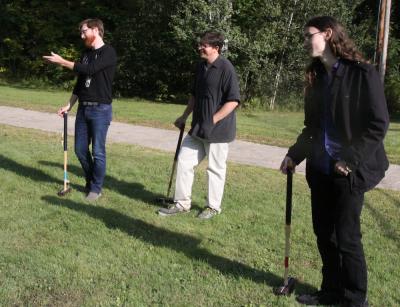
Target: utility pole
(383,36)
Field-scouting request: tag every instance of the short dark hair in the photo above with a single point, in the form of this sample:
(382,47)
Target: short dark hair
(213,38)
(93,23)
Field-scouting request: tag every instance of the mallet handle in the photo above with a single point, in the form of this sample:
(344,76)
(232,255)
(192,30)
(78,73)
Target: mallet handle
(65,130)
(65,150)
(288,216)
(178,147)
(289,197)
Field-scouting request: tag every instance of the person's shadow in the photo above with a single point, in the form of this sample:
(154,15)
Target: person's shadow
(387,228)
(133,190)
(27,171)
(113,219)
(189,245)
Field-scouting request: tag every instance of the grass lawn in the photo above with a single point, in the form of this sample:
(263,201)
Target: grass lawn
(119,252)
(273,128)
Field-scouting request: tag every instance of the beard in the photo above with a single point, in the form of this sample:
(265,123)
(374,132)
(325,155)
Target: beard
(89,39)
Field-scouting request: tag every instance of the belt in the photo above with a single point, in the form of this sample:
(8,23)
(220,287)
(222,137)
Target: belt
(89,103)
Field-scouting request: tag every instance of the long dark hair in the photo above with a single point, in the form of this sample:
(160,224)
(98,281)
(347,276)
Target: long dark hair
(340,43)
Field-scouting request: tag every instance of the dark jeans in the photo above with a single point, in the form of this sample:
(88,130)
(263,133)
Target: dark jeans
(336,211)
(91,127)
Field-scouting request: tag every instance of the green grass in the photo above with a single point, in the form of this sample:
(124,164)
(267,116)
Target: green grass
(119,252)
(274,128)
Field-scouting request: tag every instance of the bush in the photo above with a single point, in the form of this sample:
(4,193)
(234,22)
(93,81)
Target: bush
(392,90)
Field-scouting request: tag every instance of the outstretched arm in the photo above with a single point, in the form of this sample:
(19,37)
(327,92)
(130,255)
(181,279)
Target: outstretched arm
(58,60)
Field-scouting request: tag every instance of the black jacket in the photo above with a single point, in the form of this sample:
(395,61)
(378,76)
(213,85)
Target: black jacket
(360,115)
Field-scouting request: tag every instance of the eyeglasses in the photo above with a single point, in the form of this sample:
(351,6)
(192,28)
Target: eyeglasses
(201,46)
(83,31)
(308,36)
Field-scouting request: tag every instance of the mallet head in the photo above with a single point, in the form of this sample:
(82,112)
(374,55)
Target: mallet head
(286,289)
(63,192)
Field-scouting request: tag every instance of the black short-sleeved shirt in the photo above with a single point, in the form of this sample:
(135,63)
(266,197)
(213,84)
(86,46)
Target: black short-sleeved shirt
(96,70)
(214,85)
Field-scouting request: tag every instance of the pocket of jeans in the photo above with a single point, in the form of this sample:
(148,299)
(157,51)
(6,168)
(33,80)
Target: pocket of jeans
(102,111)
(104,107)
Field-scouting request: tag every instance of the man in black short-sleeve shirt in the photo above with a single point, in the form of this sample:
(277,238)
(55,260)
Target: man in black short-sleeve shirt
(215,96)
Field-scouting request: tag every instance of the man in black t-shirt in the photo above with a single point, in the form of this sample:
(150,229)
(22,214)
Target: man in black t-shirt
(93,89)
(215,96)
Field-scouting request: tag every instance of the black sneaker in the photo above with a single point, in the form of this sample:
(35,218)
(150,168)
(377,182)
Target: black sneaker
(319,298)
(87,188)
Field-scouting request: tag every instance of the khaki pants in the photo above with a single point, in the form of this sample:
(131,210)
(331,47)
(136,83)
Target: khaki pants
(193,151)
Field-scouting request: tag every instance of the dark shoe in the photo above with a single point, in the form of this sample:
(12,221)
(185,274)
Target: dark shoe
(207,213)
(87,188)
(319,298)
(93,196)
(173,209)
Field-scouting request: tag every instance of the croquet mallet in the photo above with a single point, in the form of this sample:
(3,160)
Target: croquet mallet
(289,282)
(66,189)
(168,199)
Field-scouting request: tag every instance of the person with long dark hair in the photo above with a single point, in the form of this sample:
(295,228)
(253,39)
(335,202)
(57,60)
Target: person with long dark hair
(346,120)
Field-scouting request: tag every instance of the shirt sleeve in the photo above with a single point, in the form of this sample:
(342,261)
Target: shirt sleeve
(231,85)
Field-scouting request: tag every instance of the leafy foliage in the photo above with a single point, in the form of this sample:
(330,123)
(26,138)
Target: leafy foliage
(155,42)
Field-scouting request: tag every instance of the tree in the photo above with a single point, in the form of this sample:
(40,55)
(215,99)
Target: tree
(156,40)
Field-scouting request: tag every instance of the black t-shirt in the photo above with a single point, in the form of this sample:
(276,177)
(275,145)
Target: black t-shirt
(96,70)
(214,85)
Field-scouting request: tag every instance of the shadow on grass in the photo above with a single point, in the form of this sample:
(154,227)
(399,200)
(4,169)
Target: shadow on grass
(132,190)
(26,171)
(396,201)
(186,244)
(387,229)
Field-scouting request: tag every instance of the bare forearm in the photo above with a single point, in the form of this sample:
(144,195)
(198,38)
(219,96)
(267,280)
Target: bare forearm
(189,107)
(67,64)
(72,100)
(227,108)
(58,60)
(65,109)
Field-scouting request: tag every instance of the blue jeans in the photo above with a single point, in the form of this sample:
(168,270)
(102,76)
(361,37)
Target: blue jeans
(91,127)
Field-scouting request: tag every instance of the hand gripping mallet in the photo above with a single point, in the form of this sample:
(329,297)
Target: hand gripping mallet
(168,199)
(66,188)
(289,282)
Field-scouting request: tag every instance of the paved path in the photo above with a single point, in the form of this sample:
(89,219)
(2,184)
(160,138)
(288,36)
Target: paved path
(240,151)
